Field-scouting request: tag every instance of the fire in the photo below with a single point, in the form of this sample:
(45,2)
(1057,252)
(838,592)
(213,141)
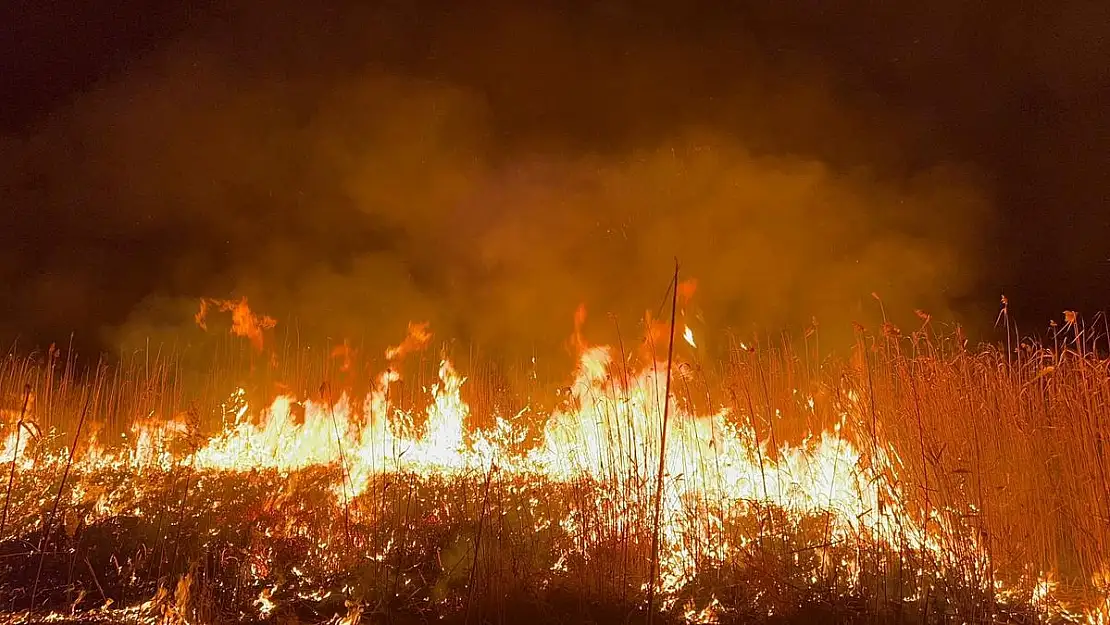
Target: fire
(686,290)
(723,471)
(244,323)
(418,337)
(265,603)
(344,353)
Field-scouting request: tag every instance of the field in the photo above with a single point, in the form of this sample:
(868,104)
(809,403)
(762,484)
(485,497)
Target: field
(912,479)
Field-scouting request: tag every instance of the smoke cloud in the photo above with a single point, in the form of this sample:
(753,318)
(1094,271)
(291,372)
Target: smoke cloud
(487,172)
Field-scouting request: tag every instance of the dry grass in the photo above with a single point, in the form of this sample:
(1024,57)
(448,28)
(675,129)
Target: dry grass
(1007,444)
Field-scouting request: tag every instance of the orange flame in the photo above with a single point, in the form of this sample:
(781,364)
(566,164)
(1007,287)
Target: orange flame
(344,353)
(244,323)
(686,290)
(577,341)
(418,337)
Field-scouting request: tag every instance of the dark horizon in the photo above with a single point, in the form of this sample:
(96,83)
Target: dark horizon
(488,169)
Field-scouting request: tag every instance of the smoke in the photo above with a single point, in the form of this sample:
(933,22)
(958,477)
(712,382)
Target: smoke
(352,172)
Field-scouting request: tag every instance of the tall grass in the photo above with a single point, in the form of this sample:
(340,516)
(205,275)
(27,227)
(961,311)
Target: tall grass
(1008,443)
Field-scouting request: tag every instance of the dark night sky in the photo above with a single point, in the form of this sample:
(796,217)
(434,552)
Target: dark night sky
(490,167)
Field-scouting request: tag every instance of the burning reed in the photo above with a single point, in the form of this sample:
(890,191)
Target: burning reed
(916,481)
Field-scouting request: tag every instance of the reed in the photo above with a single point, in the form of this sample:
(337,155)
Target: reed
(1006,445)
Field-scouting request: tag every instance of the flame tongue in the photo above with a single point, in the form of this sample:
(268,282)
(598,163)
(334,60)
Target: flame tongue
(418,337)
(688,335)
(244,323)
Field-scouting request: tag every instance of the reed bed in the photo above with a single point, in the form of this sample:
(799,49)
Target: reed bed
(1004,444)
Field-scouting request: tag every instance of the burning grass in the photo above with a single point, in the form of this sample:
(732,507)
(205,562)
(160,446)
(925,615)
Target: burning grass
(913,482)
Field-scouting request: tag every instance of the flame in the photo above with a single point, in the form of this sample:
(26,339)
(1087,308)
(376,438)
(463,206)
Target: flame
(711,457)
(720,468)
(265,603)
(344,353)
(244,323)
(705,616)
(686,290)
(417,338)
(578,343)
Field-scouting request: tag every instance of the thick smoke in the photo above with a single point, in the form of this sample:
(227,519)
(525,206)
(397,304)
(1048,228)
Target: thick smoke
(351,171)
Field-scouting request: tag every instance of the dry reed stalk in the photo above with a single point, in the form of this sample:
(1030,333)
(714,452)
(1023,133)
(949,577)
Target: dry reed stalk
(49,525)
(471,588)
(662,455)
